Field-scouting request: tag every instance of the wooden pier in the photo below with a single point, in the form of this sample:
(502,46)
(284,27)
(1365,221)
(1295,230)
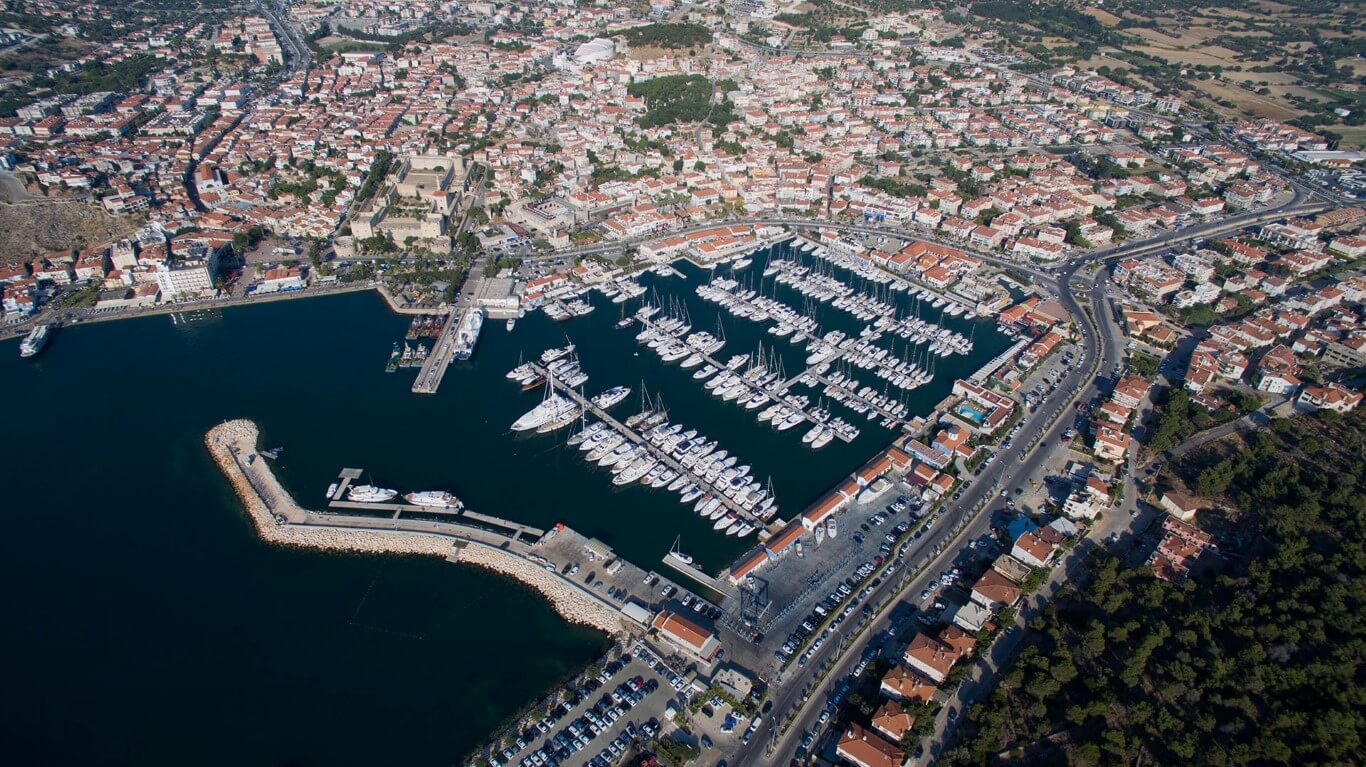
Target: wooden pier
(653,449)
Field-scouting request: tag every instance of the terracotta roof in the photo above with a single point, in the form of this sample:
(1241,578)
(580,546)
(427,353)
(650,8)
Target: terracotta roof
(906,684)
(931,655)
(867,749)
(682,629)
(892,720)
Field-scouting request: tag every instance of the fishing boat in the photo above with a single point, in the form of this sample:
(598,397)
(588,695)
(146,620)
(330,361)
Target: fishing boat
(394,357)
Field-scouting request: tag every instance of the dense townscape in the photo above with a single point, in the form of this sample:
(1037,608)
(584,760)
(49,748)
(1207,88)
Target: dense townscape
(1070,558)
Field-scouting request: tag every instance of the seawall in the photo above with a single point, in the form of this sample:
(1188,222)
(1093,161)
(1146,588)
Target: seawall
(278,519)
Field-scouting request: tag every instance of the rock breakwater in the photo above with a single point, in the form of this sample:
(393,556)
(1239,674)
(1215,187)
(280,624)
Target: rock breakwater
(280,520)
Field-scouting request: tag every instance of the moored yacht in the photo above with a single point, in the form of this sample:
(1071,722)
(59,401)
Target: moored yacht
(369,494)
(435,499)
(612,396)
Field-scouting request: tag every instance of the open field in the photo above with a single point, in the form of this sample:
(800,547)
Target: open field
(1104,17)
(1353,136)
(1247,101)
(1173,37)
(337,43)
(1209,55)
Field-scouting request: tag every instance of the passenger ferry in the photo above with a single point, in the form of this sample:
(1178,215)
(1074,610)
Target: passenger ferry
(35,340)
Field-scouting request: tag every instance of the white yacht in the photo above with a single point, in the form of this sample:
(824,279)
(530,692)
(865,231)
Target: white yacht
(612,396)
(467,335)
(435,499)
(553,408)
(35,340)
(369,494)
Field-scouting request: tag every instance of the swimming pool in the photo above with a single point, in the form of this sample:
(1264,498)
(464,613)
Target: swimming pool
(971,413)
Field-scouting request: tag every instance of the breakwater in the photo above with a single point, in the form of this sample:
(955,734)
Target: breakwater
(280,520)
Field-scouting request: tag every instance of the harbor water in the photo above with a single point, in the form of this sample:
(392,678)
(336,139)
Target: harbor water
(150,620)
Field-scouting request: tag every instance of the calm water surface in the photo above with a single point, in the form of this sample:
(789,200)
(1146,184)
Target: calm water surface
(147,625)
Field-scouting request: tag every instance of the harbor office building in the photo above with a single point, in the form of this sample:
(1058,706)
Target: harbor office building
(687,636)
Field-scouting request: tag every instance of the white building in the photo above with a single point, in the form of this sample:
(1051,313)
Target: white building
(186,282)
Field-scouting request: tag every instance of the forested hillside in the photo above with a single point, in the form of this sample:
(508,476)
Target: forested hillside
(1257,661)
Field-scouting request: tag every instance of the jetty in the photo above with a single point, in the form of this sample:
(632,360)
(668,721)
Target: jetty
(690,570)
(543,560)
(434,367)
(636,437)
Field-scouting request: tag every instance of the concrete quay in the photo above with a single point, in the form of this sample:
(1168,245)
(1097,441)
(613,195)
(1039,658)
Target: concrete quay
(279,519)
(434,367)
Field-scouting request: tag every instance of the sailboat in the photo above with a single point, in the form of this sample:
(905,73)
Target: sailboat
(680,556)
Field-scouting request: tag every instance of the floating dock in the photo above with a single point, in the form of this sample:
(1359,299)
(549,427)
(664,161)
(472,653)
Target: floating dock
(854,395)
(775,392)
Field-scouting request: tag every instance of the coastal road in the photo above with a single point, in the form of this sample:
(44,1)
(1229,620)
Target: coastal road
(1109,338)
(1297,205)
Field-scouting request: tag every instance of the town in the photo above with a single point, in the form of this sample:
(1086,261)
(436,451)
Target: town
(1162,280)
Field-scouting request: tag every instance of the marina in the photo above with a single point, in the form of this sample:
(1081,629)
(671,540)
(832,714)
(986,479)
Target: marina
(651,449)
(467,448)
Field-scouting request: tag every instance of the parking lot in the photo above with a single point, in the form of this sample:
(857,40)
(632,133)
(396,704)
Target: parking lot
(602,721)
(831,578)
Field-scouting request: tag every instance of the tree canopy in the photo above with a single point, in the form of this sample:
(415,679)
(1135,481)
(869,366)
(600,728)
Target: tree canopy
(674,98)
(1257,661)
(668,35)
